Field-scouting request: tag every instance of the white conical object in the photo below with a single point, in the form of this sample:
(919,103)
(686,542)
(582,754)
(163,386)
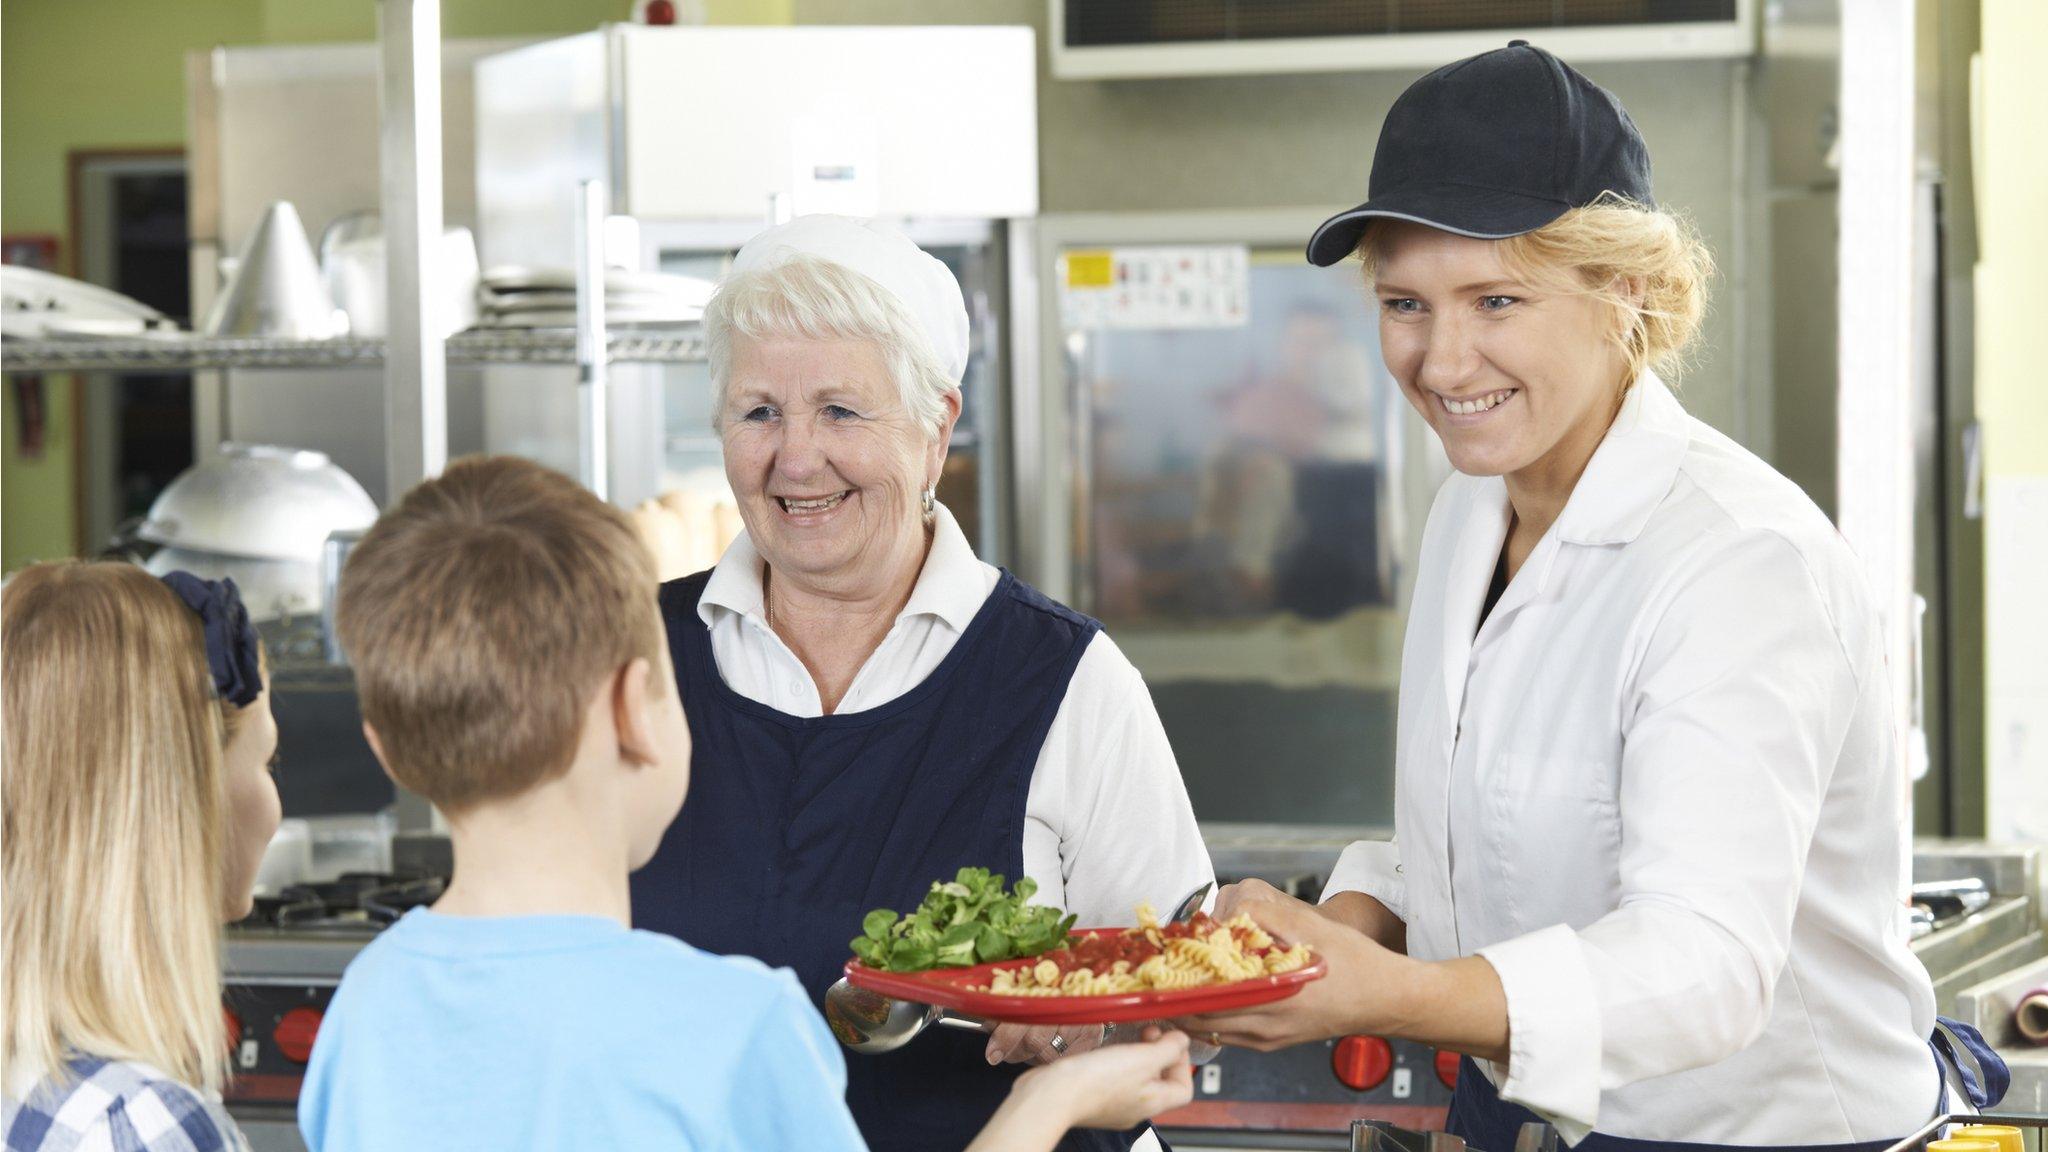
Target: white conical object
(277,289)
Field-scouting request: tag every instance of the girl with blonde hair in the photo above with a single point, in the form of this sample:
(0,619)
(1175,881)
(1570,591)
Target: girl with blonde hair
(1647,874)
(135,804)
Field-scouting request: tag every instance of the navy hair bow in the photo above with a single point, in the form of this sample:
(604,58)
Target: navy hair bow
(231,641)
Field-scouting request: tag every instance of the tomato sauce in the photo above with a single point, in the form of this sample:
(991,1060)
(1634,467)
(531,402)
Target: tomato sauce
(1099,953)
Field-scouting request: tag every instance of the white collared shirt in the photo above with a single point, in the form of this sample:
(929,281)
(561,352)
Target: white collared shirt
(1107,823)
(1658,791)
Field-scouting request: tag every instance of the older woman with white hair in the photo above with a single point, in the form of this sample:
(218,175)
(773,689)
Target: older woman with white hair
(873,707)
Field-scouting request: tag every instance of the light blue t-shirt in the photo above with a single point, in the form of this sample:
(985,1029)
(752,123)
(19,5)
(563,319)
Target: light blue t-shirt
(567,1032)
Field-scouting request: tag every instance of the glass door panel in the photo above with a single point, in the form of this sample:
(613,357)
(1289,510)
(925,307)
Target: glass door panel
(1250,505)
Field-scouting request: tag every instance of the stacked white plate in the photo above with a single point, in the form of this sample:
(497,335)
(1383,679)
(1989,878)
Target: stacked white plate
(513,296)
(43,305)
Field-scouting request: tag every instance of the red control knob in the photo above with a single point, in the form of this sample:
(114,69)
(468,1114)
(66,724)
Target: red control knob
(1362,1062)
(296,1032)
(1447,1068)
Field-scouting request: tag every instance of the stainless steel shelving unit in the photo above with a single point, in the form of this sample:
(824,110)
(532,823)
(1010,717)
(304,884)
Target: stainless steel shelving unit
(678,345)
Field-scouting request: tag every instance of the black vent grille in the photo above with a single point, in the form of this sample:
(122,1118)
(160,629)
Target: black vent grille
(1107,23)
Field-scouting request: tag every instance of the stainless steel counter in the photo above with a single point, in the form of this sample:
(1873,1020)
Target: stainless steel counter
(2003,935)
(1988,1005)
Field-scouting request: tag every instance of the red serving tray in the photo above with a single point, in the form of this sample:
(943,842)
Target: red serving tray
(952,988)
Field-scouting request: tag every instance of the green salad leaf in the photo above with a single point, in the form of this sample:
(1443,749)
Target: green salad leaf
(965,921)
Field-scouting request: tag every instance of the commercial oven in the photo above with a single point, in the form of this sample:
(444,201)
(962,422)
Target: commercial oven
(1229,479)
(1214,462)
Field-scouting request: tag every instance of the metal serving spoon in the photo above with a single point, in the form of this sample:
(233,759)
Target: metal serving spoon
(871,1023)
(1191,904)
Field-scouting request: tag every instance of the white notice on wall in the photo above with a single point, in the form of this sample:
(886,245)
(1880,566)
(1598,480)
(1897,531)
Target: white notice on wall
(1155,287)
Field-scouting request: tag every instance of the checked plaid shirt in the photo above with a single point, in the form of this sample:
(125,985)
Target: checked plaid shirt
(116,1106)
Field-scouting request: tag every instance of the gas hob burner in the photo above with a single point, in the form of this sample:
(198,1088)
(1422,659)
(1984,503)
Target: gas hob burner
(355,903)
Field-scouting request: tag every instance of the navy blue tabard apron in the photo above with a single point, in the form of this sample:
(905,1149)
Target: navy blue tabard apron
(1485,1121)
(796,827)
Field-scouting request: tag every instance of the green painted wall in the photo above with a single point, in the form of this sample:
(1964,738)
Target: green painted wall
(111,74)
(300,22)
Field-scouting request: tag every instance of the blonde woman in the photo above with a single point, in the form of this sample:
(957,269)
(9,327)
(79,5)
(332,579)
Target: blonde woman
(137,800)
(1649,816)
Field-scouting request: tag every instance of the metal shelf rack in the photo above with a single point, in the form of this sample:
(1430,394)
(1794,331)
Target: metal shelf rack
(677,345)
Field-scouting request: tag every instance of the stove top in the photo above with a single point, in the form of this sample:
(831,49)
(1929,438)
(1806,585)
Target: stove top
(1313,1095)
(353,904)
(282,965)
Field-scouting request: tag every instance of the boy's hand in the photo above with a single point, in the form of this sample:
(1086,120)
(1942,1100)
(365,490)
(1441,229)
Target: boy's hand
(1118,1086)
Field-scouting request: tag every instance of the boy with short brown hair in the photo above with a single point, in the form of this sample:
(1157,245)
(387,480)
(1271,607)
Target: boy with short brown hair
(479,614)
(513,669)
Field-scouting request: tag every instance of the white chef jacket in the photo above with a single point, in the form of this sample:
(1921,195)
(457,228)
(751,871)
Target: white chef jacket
(1658,791)
(1107,823)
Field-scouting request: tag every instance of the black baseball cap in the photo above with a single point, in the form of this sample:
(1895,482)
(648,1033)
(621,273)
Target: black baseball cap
(1495,145)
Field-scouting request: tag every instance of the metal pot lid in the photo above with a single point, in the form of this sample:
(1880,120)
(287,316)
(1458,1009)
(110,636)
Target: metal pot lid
(271,589)
(261,501)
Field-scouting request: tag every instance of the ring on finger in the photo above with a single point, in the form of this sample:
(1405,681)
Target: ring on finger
(1059,1044)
